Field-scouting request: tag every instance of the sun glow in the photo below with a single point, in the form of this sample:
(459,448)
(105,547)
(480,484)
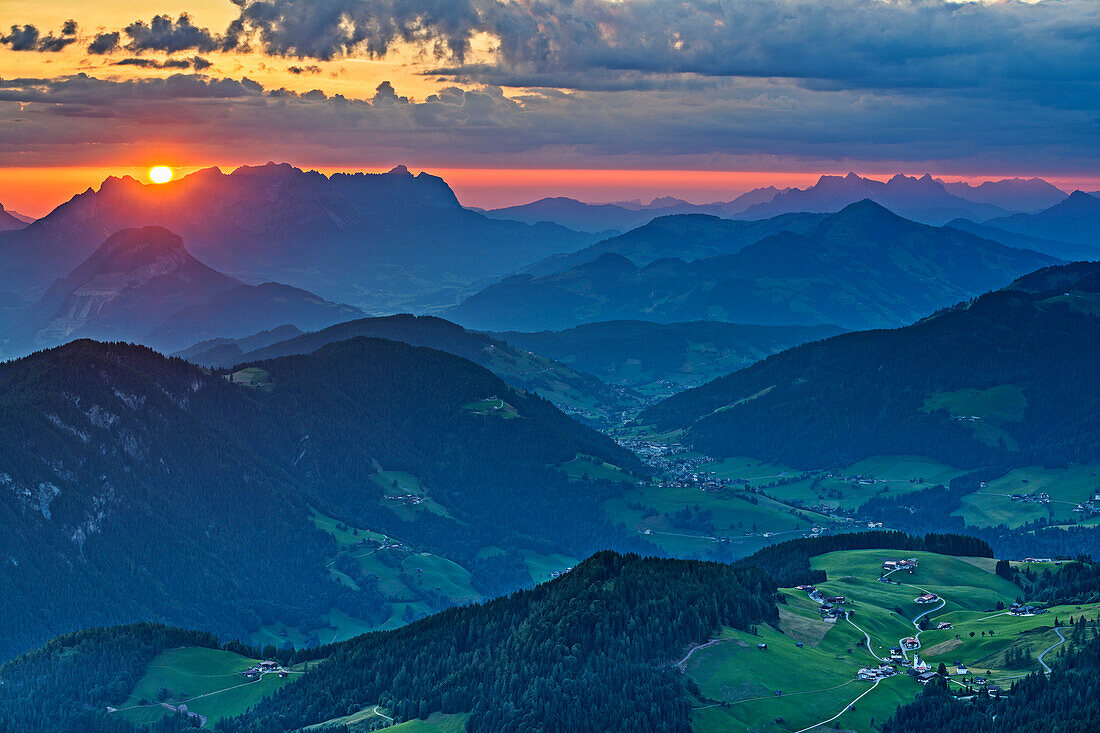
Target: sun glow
(160,174)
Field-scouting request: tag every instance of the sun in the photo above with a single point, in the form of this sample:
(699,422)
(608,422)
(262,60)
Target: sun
(160,174)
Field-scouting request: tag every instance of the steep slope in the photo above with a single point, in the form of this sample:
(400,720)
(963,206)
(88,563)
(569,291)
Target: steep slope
(921,199)
(142,285)
(132,485)
(576,392)
(1002,381)
(9,221)
(375,239)
(686,237)
(127,287)
(861,267)
(661,359)
(1076,219)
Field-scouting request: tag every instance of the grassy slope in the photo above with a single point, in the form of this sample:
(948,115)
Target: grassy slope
(1067,487)
(207,680)
(818,680)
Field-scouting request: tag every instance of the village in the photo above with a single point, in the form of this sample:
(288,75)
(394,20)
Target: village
(834,608)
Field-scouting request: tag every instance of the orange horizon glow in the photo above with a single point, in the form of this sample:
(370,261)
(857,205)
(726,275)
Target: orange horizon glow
(35,191)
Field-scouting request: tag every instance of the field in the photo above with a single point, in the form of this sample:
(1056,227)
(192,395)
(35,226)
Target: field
(363,721)
(845,489)
(587,467)
(207,681)
(399,485)
(738,515)
(983,410)
(492,406)
(253,377)
(1067,487)
(848,488)
(739,682)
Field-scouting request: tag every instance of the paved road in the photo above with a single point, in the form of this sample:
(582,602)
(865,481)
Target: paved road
(1058,631)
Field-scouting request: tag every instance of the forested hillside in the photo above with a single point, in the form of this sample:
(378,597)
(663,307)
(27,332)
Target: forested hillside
(589,651)
(67,684)
(580,392)
(1000,381)
(132,485)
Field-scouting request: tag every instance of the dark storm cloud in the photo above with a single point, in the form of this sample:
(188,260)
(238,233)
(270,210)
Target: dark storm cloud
(28,38)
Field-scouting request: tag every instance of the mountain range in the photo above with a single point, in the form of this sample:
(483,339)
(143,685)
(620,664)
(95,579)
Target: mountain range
(374,240)
(143,285)
(685,236)
(1001,381)
(576,392)
(137,487)
(624,215)
(921,199)
(861,267)
(925,199)
(1076,220)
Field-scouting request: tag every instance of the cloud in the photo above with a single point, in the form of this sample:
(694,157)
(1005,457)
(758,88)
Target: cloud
(196,62)
(736,124)
(323,29)
(104,43)
(310,69)
(167,35)
(28,38)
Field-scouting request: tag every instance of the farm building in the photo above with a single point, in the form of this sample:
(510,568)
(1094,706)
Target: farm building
(926,598)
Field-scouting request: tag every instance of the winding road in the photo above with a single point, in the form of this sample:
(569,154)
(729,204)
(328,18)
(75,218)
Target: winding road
(1057,630)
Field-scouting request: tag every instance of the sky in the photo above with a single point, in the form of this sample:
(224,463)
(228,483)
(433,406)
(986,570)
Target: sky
(510,100)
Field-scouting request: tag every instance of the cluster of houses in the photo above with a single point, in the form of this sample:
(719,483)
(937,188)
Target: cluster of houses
(880,672)
(258,670)
(1021,609)
(830,607)
(1091,506)
(1041,498)
(909,564)
(406,499)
